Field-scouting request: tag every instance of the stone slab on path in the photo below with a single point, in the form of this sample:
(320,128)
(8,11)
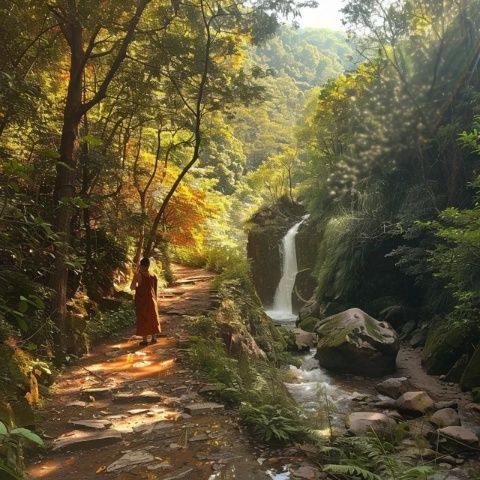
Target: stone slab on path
(203,407)
(130,459)
(91,424)
(97,392)
(147,396)
(79,439)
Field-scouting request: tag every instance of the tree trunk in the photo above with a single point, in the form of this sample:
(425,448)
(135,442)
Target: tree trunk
(73,32)
(138,251)
(64,185)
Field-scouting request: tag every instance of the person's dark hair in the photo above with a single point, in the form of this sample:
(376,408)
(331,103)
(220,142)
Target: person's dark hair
(145,262)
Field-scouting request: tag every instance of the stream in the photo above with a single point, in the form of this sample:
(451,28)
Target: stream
(310,385)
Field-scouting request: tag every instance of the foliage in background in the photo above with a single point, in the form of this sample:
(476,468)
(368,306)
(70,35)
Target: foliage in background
(381,167)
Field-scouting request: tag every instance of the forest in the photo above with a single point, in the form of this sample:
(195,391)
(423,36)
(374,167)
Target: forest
(309,202)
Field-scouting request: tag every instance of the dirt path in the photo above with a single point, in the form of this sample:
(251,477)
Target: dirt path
(140,408)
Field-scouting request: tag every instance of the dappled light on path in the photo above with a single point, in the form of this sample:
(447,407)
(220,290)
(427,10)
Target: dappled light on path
(142,396)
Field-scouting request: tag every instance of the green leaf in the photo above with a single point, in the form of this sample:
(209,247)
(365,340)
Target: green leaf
(92,140)
(22,306)
(22,324)
(27,435)
(3,429)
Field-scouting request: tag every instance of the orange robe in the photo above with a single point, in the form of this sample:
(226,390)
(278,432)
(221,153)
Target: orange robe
(148,322)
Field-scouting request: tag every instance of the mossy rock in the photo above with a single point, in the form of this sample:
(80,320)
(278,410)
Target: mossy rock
(308,324)
(471,375)
(354,342)
(446,343)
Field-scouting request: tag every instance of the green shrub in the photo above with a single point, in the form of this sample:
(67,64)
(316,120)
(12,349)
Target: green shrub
(103,324)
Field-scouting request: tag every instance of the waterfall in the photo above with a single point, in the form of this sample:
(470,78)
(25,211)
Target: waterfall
(282,302)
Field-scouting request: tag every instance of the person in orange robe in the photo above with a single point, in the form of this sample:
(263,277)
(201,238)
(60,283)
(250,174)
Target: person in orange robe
(145,284)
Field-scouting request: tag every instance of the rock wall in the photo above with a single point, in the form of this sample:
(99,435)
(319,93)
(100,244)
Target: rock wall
(307,243)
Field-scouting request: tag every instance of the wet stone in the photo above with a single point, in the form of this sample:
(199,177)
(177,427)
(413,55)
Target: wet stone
(455,439)
(415,403)
(445,417)
(394,387)
(446,404)
(362,423)
(79,439)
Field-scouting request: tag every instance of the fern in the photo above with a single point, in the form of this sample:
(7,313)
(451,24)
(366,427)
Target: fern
(371,458)
(416,472)
(351,470)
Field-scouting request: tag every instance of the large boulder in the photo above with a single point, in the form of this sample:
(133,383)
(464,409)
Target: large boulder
(354,342)
(415,403)
(394,387)
(364,423)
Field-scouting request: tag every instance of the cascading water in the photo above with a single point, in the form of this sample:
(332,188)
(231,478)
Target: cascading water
(282,303)
(309,385)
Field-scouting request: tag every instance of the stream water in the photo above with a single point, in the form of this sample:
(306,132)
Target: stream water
(309,385)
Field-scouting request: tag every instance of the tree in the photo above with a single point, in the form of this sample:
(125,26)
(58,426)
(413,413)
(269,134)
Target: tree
(83,33)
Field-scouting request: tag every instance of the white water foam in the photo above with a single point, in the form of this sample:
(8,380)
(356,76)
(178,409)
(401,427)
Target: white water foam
(282,310)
